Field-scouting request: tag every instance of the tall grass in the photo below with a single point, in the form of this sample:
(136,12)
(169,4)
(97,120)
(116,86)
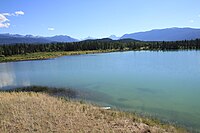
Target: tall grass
(40,112)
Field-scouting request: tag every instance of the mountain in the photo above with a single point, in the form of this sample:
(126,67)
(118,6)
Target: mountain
(113,37)
(61,38)
(12,39)
(169,34)
(89,38)
(16,38)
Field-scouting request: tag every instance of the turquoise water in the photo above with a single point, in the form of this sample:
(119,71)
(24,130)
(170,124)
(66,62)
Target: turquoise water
(161,84)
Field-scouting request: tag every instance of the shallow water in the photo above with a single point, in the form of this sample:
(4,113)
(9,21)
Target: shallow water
(162,84)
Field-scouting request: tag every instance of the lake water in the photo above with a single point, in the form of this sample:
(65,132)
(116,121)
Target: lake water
(161,84)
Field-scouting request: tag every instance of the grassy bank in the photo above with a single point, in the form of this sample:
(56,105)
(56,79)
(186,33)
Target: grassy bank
(23,110)
(48,55)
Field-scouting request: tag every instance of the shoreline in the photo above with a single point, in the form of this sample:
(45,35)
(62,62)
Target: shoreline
(136,121)
(50,55)
(72,95)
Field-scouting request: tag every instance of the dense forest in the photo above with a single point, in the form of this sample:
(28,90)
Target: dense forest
(99,44)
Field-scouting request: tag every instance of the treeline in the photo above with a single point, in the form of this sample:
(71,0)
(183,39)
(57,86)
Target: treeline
(100,44)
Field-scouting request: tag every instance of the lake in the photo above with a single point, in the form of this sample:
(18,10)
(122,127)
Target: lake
(165,85)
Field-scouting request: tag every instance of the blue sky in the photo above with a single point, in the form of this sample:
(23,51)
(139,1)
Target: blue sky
(96,18)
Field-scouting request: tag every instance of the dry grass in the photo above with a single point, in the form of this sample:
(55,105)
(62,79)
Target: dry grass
(38,112)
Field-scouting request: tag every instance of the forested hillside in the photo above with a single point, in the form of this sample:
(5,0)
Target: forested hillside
(99,44)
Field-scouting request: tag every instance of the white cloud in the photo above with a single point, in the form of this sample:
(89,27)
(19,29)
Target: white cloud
(191,21)
(51,29)
(199,15)
(3,18)
(4,22)
(4,25)
(6,14)
(19,13)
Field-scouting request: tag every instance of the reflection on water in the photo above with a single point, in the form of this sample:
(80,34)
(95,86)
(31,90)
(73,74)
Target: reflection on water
(7,76)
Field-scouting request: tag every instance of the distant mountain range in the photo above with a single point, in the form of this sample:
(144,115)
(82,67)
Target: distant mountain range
(15,38)
(169,34)
(89,38)
(113,37)
(62,38)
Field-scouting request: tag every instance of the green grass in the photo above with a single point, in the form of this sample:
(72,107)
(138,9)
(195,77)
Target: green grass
(48,55)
